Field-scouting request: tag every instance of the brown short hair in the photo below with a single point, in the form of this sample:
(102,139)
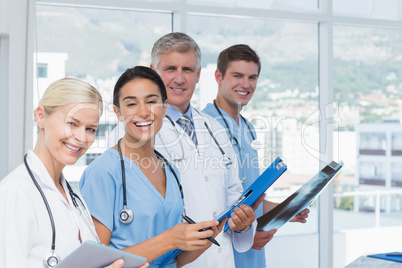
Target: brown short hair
(237,53)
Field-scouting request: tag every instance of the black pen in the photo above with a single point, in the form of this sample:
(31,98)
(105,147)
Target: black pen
(190,221)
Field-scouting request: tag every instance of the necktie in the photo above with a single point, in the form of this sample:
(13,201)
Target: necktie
(185,122)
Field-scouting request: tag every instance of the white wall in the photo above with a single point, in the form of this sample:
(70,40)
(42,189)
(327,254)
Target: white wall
(15,80)
(3,17)
(293,251)
(302,250)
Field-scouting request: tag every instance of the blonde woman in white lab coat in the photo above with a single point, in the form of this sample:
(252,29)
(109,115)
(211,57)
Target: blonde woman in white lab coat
(39,223)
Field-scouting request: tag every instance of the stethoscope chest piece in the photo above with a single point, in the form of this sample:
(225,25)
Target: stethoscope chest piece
(256,145)
(126,215)
(226,160)
(51,260)
(243,180)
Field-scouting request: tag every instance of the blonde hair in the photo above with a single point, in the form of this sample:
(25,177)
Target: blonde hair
(67,91)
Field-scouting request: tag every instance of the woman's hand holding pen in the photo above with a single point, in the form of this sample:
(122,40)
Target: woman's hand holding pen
(186,257)
(187,236)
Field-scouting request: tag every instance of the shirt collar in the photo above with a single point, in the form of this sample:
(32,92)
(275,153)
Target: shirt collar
(175,114)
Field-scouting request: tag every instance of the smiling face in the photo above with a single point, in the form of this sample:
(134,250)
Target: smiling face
(237,86)
(180,75)
(69,131)
(142,109)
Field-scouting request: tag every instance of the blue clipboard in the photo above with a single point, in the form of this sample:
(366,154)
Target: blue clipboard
(249,196)
(392,256)
(258,188)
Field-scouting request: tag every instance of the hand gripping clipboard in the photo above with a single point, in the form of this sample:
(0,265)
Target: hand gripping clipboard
(258,188)
(299,200)
(249,196)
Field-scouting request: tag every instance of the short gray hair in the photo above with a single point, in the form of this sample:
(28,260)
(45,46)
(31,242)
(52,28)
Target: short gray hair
(174,42)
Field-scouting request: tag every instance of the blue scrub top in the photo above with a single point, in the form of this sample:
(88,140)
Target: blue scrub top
(248,164)
(101,186)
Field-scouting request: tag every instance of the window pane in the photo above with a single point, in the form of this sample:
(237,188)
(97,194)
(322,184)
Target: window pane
(368,90)
(396,144)
(94,45)
(372,143)
(289,5)
(284,104)
(376,9)
(42,70)
(372,173)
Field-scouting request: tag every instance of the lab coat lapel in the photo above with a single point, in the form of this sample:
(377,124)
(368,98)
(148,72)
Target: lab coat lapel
(40,172)
(42,176)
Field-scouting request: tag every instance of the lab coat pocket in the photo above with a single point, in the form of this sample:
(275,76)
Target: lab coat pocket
(218,188)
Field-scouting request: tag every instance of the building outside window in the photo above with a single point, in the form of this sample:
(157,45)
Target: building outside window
(42,70)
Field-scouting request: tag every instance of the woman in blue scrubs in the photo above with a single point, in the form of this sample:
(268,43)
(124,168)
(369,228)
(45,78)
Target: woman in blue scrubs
(152,191)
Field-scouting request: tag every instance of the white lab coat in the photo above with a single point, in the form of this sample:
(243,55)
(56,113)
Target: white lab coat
(25,229)
(209,187)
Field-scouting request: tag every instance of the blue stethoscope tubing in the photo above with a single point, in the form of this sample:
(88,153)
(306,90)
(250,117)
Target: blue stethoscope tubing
(227,126)
(231,137)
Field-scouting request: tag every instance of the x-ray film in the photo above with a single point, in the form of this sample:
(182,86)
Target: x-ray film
(299,200)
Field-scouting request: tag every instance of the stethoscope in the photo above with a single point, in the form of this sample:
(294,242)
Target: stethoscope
(126,215)
(255,144)
(225,159)
(52,259)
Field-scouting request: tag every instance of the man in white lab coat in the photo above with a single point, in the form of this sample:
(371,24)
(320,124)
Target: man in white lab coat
(198,145)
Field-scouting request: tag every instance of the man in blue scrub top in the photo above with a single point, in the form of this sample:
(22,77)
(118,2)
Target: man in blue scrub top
(238,68)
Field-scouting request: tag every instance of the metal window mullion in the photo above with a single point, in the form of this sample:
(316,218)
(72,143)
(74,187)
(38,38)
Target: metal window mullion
(326,107)
(179,19)
(29,79)
(17,60)
(4,104)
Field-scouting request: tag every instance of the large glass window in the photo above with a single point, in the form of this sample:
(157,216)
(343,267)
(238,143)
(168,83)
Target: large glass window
(283,106)
(367,87)
(94,45)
